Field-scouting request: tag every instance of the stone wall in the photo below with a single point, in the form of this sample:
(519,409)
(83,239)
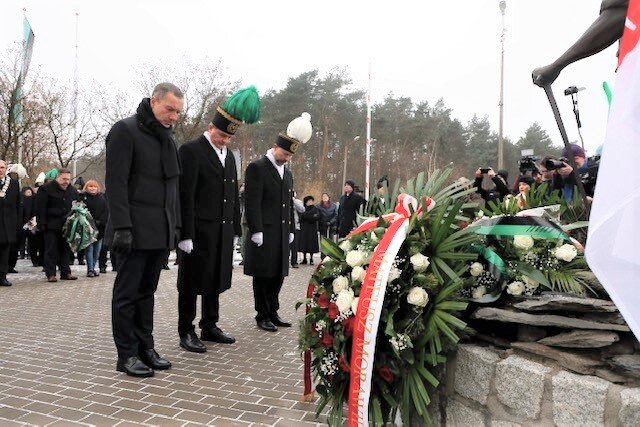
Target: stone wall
(488,387)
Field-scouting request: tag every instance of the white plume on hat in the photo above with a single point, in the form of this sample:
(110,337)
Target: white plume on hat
(40,179)
(18,169)
(300,128)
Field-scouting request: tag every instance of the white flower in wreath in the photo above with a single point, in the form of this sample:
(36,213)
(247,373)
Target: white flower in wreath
(394,273)
(523,242)
(418,297)
(374,237)
(340,283)
(478,292)
(419,262)
(515,288)
(476,269)
(566,252)
(356,258)
(321,325)
(358,273)
(354,305)
(345,246)
(529,283)
(344,300)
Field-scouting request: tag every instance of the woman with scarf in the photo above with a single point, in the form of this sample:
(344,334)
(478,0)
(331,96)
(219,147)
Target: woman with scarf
(328,216)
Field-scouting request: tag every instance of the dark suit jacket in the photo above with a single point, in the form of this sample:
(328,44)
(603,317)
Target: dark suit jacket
(210,217)
(268,208)
(54,205)
(9,211)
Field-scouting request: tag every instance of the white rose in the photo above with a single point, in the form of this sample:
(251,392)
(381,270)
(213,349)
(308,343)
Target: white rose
(418,296)
(479,292)
(523,242)
(374,237)
(340,283)
(566,252)
(354,305)
(345,245)
(358,273)
(529,283)
(515,288)
(394,273)
(476,269)
(344,300)
(419,262)
(356,258)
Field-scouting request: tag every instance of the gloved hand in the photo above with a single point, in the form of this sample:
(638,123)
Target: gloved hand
(258,238)
(291,237)
(186,246)
(122,241)
(235,241)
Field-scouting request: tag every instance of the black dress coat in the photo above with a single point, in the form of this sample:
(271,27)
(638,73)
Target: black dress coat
(10,209)
(139,196)
(53,205)
(210,217)
(268,209)
(97,206)
(349,206)
(308,236)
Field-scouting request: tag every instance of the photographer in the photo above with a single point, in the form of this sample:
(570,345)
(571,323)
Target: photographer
(587,172)
(555,172)
(500,189)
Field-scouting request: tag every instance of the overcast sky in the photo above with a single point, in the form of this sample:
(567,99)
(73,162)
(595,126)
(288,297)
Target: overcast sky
(423,50)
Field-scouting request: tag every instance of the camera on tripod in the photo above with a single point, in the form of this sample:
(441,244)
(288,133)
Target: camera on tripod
(527,163)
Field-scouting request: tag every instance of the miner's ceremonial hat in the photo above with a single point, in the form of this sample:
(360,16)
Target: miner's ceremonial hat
(298,132)
(241,107)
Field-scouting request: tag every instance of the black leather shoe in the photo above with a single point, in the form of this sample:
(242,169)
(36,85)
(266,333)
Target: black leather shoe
(103,270)
(5,282)
(215,334)
(134,367)
(276,320)
(191,342)
(294,265)
(153,359)
(267,326)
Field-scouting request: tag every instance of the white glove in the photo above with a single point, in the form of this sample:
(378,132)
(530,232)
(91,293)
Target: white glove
(186,246)
(291,236)
(257,238)
(235,241)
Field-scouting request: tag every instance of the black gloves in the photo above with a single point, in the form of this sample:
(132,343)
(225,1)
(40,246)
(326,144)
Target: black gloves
(122,241)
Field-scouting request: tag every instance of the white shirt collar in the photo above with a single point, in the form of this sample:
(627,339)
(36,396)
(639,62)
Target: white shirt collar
(220,152)
(280,168)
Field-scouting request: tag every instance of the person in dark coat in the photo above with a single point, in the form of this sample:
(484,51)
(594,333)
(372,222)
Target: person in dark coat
(97,206)
(28,212)
(350,203)
(209,200)
(142,171)
(309,219)
(54,201)
(328,216)
(269,215)
(9,209)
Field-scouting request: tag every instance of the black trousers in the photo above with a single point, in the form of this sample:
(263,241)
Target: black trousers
(133,300)
(56,252)
(13,254)
(266,292)
(4,259)
(36,248)
(294,248)
(187,311)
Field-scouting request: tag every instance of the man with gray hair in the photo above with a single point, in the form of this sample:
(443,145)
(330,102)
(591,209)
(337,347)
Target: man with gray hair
(142,192)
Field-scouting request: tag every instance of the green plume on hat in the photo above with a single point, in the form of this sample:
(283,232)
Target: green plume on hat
(244,105)
(52,174)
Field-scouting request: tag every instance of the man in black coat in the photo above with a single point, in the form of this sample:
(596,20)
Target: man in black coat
(210,210)
(269,216)
(141,183)
(53,202)
(350,203)
(9,208)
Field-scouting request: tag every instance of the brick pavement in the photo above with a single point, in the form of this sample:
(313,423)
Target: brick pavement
(57,359)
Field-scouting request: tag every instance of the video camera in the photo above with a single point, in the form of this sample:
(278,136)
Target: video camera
(553,164)
(528,164)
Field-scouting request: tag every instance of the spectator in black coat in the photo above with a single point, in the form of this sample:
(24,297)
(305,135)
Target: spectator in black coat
(309,219)
(9,208)
(350,203)
(500,188)
(28,212)
(97,206)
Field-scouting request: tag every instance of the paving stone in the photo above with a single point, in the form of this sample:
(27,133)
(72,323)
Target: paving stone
(519,384)
(630,410)
(578,399)
(475,367)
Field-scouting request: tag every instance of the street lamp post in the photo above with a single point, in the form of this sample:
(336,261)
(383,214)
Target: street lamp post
(503,7)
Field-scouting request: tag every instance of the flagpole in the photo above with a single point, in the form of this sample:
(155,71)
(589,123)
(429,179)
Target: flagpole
(368,141)
(24,43)
(75,101)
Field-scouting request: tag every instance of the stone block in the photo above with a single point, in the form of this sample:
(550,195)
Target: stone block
(578,399)
(475,367)
(520,385)
(630,410)
(460,415)
(500,423)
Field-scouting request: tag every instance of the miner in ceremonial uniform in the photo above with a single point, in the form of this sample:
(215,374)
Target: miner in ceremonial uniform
(268,213)
(210,220)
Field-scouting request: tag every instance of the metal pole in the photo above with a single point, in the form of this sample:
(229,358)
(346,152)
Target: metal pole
(368,141)
(503,6)
(75,102)
(18,140)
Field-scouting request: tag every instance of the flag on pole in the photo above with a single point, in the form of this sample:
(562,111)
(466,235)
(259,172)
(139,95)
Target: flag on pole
(613,247)
(28,38)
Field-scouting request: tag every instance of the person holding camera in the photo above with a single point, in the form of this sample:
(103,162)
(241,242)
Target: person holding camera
(500,189)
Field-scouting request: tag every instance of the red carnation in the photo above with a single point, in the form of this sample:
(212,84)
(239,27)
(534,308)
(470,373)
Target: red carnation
(323,300)
(386,374)
(334,311)
(327,339)
(348,324)
(343,364)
